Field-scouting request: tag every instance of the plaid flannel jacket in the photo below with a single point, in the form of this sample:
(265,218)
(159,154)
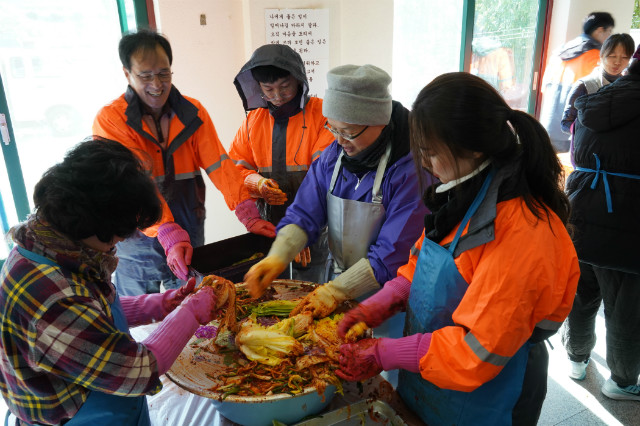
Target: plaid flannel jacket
(58,342)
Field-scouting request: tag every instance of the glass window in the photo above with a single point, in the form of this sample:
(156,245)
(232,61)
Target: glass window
(62,67)
(503,47)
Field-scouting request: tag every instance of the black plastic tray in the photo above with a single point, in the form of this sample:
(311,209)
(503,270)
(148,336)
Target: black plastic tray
(219,258)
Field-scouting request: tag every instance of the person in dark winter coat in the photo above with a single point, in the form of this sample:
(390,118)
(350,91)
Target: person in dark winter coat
(575,59)
(604,191)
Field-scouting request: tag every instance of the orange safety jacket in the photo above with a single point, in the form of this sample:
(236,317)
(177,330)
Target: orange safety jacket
(260,139)
(192,144)
(525,277)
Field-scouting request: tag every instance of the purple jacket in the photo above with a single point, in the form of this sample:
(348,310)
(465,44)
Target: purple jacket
(400,196)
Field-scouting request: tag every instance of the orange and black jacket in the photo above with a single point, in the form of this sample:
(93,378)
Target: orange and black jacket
(278,143)
(522,273)
(192,145)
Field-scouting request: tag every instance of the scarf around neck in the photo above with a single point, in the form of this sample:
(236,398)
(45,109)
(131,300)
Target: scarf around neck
(41,238)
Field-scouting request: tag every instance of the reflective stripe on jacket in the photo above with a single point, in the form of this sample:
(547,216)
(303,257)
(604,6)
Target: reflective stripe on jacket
(304,137)
(524,276)
(193,144)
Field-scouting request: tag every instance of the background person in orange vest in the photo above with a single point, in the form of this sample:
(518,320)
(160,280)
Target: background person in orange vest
(175,137)
(575,59)
(493,275)
(280,138)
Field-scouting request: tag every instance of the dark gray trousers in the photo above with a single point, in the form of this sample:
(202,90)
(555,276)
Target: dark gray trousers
(620,293)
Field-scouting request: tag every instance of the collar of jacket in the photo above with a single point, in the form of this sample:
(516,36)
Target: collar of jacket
(450,207)
(579,45)
(184,110)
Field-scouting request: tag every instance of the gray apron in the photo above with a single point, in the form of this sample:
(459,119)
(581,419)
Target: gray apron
(354,225)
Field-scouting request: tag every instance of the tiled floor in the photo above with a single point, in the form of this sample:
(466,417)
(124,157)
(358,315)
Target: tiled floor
(570,402)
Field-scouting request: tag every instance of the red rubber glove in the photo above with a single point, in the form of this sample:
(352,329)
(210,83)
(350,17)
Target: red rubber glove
(177,246)
(248,214)
(358,361)
(172,298)
(385,303)
(304,257)
(367,357)
(261,187)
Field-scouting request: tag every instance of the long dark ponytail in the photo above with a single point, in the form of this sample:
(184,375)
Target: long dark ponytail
(465,114)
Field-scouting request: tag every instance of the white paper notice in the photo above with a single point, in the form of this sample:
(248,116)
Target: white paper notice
(307,32)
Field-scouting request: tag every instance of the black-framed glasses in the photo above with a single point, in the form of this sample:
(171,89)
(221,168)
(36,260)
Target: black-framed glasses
(342,135)
(148,77)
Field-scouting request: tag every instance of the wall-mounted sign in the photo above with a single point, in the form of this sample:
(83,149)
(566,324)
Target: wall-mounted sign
(307,32)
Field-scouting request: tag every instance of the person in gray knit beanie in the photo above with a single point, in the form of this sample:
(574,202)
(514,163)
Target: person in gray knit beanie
(358,94)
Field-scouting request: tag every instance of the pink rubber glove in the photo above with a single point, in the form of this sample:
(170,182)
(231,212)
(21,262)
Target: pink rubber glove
(172,298)
(368,357)
(248,214)
(177,246)
(147,308)
(386,302)
(167,341)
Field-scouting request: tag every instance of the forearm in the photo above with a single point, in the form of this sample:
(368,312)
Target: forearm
(141,310)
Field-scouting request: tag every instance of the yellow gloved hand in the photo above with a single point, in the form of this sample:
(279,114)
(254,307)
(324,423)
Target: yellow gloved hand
(321,301)
(304,257)
(261,187)
(262,274)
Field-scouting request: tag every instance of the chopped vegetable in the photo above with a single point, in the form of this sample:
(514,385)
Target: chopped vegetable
(267,345)
(280,308)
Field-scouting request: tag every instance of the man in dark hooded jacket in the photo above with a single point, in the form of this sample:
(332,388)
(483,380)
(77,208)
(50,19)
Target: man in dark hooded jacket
(281,136)
(574,60)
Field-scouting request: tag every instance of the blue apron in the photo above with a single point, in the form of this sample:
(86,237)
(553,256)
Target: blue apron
(436,291)
(102,408)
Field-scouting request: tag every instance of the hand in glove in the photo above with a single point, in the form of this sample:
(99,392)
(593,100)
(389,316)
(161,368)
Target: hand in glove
(262,274)
(177,246)
(321,301)
(167,341)
(248,214)
(304,257)
(172,298)
(261,187)
(389,300)
(289,241)
(201,304)
(359,279)
(359,361)
(367,357)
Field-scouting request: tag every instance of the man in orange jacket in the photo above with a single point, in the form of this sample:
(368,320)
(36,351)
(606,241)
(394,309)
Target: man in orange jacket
(280,138)
(175,137)
(574,60)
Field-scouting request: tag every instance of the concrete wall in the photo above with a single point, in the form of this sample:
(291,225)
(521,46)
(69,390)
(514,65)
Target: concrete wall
(207,57)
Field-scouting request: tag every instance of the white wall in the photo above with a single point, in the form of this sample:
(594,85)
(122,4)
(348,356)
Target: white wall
(567,17)
(207,58)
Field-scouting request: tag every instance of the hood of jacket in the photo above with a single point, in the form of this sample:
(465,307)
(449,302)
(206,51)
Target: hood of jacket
(270,54)
(576,47)
(612,106)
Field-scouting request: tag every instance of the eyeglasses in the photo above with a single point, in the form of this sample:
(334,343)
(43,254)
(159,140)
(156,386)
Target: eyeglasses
(148,77)
(342,135)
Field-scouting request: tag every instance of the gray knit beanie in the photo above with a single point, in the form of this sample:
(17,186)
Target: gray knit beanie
(358,95)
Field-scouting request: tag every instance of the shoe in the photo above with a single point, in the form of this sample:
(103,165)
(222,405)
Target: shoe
(578,369)
(613,391)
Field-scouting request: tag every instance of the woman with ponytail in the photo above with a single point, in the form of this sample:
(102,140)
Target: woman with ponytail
(494,273)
